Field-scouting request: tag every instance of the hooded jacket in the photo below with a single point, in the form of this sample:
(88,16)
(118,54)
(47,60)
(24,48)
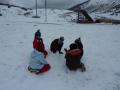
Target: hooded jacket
(39,45)
(73,58)
(37,60)
(56,45)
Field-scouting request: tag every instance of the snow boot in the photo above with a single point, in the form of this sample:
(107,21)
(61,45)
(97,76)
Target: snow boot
(32,70)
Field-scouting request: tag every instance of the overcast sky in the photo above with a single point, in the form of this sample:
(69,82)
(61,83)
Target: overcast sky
(4,1)
(50,3)
(60,4)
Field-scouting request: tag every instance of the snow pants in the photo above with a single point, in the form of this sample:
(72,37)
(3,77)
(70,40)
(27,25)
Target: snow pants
(45,68)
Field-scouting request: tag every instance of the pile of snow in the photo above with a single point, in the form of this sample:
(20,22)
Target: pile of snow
(101,54)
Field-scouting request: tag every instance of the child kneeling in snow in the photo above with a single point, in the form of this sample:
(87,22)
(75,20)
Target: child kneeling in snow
(38,64)
(73,58)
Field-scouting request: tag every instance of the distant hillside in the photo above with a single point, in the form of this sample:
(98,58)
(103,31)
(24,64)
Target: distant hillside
(104,7)
(9,5)
(110,6)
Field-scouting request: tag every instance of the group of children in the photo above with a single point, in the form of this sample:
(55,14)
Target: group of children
(73,56)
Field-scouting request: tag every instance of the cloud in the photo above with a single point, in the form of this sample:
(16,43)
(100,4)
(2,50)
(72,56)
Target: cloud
(4,1)
(60,4)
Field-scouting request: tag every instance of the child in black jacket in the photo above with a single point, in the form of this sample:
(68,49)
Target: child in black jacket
(57,45)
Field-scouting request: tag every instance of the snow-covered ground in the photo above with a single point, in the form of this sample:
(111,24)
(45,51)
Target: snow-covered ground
(105,15)
(101,53)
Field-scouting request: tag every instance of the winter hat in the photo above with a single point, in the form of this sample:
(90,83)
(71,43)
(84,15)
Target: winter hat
(61,38)
(73,46)
(78,40)
(38,33)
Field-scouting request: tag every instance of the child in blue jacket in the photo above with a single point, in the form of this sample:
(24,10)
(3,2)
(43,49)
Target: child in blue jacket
(38,64)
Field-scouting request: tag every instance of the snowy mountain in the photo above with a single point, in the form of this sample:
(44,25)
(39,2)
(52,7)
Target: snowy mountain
(104,6)
(58,3)
(101,52)
(61,4)
(101,6)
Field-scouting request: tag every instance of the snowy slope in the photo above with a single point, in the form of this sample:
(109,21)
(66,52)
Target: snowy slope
(101,6)
(101,53)
(61,4)
(50,3)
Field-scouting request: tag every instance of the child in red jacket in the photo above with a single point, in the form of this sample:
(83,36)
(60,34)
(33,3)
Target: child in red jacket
(38,43)
(73,58)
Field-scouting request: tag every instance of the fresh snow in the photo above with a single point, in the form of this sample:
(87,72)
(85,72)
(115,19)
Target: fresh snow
(101,53)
